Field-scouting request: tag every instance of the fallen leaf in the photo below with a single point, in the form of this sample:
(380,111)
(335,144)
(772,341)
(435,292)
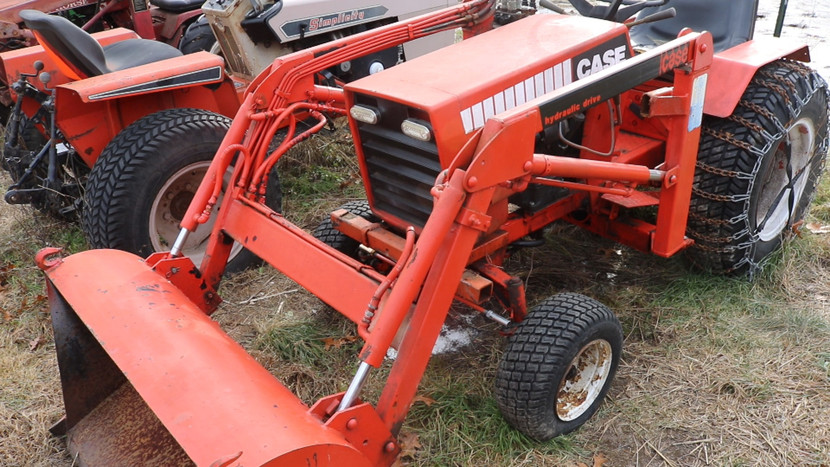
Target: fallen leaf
(337,342)
(35,343)
(426,400)
(410,444)
(6,316)
(600,460)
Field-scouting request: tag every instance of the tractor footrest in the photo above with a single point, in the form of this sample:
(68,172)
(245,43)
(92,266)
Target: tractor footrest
(637,199)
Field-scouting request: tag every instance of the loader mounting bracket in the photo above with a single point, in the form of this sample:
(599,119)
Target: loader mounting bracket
(186,276)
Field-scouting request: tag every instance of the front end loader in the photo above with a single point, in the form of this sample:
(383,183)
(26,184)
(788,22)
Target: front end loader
(574,125)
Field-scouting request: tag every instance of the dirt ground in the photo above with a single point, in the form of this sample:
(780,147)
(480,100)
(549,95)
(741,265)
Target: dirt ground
(714,373)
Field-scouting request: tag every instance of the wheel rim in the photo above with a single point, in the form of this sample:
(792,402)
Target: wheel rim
(583,381)
(169,207)
(774,208)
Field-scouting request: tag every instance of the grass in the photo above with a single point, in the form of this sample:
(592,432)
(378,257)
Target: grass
(715,371)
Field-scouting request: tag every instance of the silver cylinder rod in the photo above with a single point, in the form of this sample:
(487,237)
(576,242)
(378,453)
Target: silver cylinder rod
(497,317)
(178,245)
(355,386)
(656,175)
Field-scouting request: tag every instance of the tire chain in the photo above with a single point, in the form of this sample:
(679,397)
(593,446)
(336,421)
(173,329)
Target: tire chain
(782,90)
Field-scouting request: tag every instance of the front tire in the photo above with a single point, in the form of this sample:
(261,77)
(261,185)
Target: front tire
(758,169)
(558,366)
(143,182)
(328,234)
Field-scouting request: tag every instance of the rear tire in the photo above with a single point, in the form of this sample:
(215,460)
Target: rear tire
(197,37)
(144,180)
(758,169)
(558,366)
(337,239)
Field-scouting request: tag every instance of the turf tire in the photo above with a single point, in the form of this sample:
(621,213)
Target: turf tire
(127,180)
(539,358)
(197,37)
(780,121)
(336,239)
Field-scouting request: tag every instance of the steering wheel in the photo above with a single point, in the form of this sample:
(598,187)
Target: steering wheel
(615,10)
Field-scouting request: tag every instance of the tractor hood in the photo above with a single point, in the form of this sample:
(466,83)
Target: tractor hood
(449,94)
(461,86)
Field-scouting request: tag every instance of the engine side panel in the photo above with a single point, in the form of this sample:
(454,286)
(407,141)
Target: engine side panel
(312,17)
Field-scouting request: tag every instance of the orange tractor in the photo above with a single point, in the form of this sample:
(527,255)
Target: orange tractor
(654,135)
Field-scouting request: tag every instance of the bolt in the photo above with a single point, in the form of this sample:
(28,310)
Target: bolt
(351,424)
(389,447)
(673,179)
(528,166)
(472,181)
(703,48)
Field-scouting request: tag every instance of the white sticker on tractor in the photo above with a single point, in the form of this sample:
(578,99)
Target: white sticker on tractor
(698,98)
(572,69)
(542,83)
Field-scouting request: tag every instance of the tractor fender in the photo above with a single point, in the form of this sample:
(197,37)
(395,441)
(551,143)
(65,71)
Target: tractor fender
(733,69)
(92,111)
(196,69)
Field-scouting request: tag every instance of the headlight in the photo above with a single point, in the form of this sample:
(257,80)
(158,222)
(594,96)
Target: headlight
(417,129)
(365,114)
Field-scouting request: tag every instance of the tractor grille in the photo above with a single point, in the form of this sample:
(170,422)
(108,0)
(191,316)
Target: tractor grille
(401,170)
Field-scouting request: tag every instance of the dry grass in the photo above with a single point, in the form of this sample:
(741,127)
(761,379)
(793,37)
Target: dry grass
(715,371)
(30,398)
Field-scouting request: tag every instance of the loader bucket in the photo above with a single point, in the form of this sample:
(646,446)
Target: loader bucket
(149,379)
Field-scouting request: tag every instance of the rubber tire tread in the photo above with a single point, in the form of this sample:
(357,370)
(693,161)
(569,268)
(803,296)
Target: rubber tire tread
(538,354)
(127,160)
(197,37)
(720,228)
(336,239)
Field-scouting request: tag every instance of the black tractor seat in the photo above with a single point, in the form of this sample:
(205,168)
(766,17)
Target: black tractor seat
(731,22)
(84,55)
(178,6)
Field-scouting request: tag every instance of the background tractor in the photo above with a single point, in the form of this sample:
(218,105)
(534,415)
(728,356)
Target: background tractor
(162,20)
